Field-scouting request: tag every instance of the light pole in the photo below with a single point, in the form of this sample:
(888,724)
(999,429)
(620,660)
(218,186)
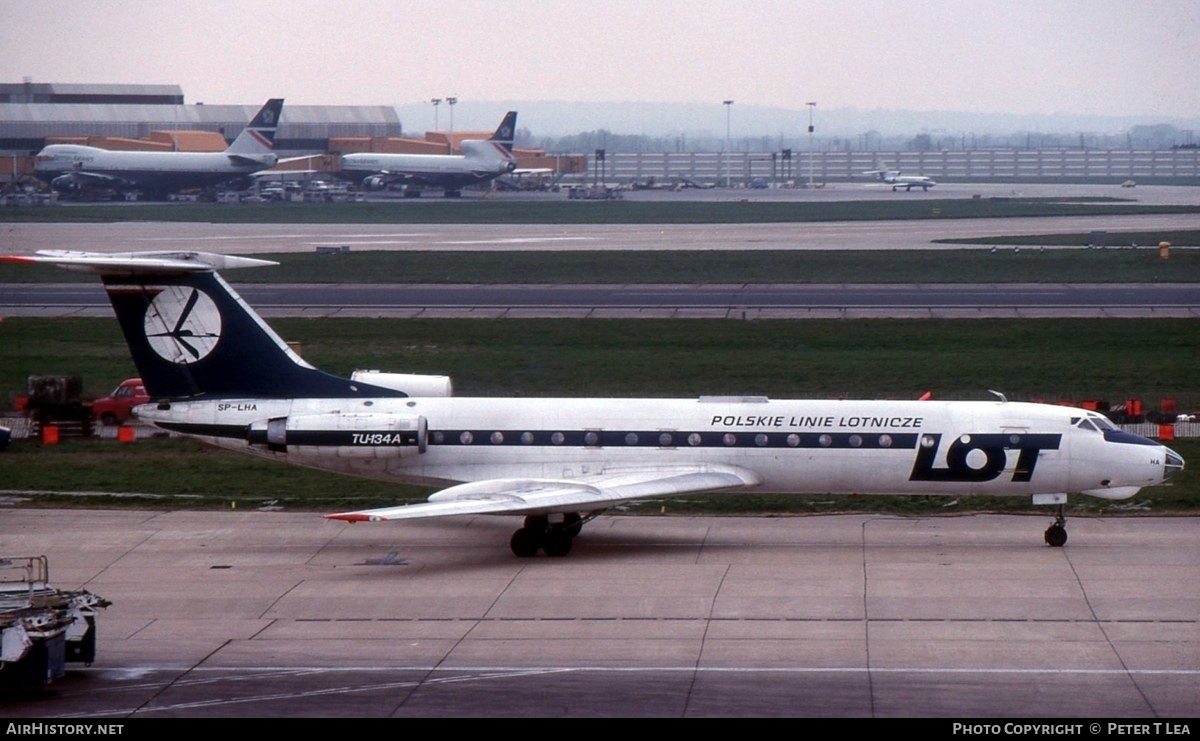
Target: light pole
(436,102)
(725,153)
(811,106)
(451,101)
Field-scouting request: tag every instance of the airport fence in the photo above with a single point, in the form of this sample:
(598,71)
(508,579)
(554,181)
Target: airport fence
(741,169)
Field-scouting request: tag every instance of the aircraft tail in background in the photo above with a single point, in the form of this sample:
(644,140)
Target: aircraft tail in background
(256,143)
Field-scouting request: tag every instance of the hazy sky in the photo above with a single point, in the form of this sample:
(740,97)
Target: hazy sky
(1121,57)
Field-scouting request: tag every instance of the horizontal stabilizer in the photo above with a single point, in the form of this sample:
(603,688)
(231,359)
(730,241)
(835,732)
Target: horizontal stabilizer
(139,263)
(263,161)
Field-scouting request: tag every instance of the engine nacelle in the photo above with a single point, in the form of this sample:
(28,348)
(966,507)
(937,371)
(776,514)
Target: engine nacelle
(66,184)
(375,182)
(349,435)
(407,383)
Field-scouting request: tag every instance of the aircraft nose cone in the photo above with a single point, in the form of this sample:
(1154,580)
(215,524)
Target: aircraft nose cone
(1173,465)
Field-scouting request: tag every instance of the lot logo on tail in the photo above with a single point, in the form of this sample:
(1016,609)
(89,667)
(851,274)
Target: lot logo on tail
(182,324)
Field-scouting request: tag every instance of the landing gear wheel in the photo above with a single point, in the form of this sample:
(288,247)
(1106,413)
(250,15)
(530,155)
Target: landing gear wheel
(557,542)
(1056,534)
(525,542)
(539,533)
(572,524)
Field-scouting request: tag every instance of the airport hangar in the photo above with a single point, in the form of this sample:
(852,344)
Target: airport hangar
(155,117)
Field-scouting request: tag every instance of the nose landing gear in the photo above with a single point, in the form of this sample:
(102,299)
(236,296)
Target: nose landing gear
(1056,534)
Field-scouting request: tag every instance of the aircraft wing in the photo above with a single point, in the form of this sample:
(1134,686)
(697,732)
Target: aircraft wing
(543,496)
(97,178)
(393,177)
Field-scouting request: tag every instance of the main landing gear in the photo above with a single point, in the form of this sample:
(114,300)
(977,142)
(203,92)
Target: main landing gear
(1056,534)
(555,538)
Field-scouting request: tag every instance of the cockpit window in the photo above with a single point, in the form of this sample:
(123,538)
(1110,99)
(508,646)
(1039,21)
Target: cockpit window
(1094,422)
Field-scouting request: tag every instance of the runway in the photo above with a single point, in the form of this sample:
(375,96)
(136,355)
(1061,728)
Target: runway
(245,239)
(273,614)
(781,301)
(676,301)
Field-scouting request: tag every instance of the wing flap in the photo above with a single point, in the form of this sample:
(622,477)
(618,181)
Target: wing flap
(543,496)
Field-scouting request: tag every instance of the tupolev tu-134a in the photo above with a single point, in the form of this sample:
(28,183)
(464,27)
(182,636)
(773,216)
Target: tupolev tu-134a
(217,372)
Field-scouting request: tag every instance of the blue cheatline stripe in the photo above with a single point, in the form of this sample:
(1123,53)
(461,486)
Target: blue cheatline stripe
(671,439)
(567,438)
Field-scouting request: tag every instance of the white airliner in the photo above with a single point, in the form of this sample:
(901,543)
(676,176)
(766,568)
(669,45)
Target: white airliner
(480,162)
(898,181)
(219,373)
(73,168)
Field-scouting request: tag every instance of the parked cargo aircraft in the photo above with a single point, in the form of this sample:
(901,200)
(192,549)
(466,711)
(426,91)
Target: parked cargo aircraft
(73,168)
(898,181)
(480,162)
(219,373)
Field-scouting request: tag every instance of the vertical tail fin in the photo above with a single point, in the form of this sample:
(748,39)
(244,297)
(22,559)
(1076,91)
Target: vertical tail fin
(494,154)
(191,335)
(258,138)
(506,132)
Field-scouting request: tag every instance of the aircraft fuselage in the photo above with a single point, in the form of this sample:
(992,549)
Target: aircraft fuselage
(84,166)
(793,446)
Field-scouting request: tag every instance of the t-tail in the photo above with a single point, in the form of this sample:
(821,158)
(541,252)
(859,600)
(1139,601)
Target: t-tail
(256,143)
(192,336)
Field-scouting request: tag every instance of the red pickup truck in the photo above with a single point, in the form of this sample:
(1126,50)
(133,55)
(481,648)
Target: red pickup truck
(117,407)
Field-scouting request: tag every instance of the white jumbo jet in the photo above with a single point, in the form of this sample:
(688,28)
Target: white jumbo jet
(895,179)
(217,372)
(480,162)
(72,168)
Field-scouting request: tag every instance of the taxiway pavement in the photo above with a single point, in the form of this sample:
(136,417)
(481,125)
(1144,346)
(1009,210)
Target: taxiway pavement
(276,614)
